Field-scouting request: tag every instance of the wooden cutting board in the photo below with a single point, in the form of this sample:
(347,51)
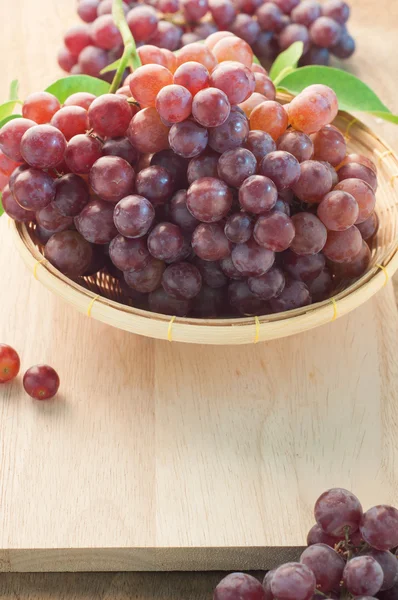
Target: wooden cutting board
(159,456)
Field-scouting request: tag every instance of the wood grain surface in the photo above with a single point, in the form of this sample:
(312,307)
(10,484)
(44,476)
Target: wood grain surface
(159,456)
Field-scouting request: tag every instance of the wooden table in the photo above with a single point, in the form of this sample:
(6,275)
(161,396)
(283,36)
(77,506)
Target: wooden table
(204,454)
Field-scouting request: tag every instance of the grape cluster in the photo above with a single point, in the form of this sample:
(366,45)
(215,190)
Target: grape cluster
(268,27)
(194,187)
(350,554)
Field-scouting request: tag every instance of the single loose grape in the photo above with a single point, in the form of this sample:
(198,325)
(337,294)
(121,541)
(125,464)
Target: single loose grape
(41,382)
(69,252)
(9,363)
(271,117)
(43,146)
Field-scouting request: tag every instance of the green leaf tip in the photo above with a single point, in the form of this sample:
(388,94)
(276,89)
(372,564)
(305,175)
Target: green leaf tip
(286,60)
(65,87)
(14,90)
(1,205)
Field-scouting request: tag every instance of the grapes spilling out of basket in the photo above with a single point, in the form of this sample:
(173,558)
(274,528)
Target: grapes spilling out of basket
(269,28)
(194,187)
(350,554)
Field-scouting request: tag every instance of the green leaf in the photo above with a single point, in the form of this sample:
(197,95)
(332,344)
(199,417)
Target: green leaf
(288,58)
(1,206)
(112,67)
(387,116)
(255,59)
(14,88)
(351,92)
(65,87)
(9,118)
(7,108)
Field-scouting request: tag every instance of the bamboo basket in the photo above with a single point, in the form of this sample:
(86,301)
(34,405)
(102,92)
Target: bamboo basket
(101,297)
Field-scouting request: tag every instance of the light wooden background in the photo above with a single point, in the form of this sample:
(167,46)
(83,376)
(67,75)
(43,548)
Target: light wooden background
(162,446)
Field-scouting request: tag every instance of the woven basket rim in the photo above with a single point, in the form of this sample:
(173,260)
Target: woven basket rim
(343,302)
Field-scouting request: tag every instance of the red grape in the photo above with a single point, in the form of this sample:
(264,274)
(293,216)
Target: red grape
(234,79)
(82,152)
(148,279)
(260,144)
(343,246)
(188,139)
(92,60)
(10,137)
(105,33)
(316,535)
(160,302)
(69,252)
(356,267)
(338,210)
(121,147)
(337,509)
(41,382)
(193,76)
(71,121)
(329,145)
(293,581)
(234,166)
(110,115)
(133,216)
(389,565)
(246,303)
(379,527)
(147,133)
(314,183)
(258,194)
(13,209)
(204,165)
(82,99)
(143,22)
(325,32)
(180,214)
(9,363)
(239,228)
(251,259)
(155,183)
(174,103)
(239,585)
(313,108)
(363,576)
(269,285)
(43,146)
(326,564)
(321,288)
(34,189)
(112,178)
(230,134)
(297,143)
(40,107)
(77,38)
(274,231)
(209,199)
(129,254)
(95,222)
(51,219)
(282,167)
(306,12)
(210,107)
(165,241)
(369,227)
(182,280)
(210,242)
(295,294)
(337,10)
(270,116)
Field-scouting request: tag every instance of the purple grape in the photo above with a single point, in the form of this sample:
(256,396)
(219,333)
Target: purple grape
(239,227)
(204,165)
(269,285)
(258,194)
(133,216)
(180,214)
(51,219)
(34,189)
(363,576)
(69,253)
(95,222)
(326,564)
(43,146)
(71,195)
(251,259)
(310,234)
(239,585)
(160,302)
(174,164)
(292,581)
(13,209)
(209,303)
(246,303)
(188,139)
(294,295)
(379,527)
(209,242)
(389,565)
(121,147)
(148,279)
(260,144)
(129,254)
(297,143)
(209,199)
(82,152)
(316,535)
(303,268)
(165,241)
(112,178)
(234,166)
(282,168)
(211,272)
(230,134)
(274,231)
(182,280)
(155,183)
(337,509)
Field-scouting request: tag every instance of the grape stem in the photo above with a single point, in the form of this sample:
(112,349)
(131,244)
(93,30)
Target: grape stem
(130,54)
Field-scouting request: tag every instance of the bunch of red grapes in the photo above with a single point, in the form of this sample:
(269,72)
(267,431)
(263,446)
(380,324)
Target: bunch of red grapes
(268,26)
(350,554)
(194,187)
